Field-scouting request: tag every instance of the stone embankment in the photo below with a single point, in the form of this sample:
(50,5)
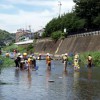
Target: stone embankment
(71,44)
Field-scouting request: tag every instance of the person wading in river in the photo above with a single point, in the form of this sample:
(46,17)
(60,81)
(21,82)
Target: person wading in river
(18,60)
(76,65)
(65,60)
(90,61)
(30,62)
(76,62)
(48,61)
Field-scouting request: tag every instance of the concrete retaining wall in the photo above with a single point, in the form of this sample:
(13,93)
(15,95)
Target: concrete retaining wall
(71,44)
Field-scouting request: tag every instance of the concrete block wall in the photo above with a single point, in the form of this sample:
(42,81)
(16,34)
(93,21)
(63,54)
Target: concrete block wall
(71,44)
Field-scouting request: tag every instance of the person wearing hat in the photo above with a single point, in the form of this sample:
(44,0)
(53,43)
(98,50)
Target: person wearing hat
(65,60)
(39,57)
(90,61)
(25,56)
(30,62)
(48,61)
(76,64)
(18,61)
(76,56)
(34,62)
(47,57)
(7,54)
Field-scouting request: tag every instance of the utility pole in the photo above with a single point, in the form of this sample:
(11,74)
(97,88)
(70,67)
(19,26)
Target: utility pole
(30,28)
(59,8)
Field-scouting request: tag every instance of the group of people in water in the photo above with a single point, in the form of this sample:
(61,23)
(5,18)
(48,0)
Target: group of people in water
(76,61)
(25,61)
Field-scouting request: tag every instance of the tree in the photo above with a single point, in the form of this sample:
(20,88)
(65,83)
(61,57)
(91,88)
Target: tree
(96,21)
(56,35)
(88,10)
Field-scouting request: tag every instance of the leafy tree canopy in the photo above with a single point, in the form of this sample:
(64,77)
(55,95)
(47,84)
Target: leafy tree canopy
(84,17)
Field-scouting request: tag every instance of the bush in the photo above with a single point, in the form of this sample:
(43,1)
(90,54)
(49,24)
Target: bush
(6,62)
(95,56)
(56,35)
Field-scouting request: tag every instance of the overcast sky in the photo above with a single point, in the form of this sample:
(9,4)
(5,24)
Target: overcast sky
(16,14)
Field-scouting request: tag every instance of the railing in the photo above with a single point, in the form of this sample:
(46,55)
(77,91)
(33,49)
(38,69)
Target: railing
(85,34)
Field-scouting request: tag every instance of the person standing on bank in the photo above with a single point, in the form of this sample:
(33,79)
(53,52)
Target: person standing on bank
(65,60)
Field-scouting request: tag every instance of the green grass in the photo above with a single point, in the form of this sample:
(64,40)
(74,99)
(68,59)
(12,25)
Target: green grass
(83,58)
(10,48)
(6,62)
(95,55)
(20,48)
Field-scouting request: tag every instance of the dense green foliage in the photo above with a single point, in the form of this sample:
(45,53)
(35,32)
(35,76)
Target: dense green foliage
(88,10)
(6,37)
(95,56)
(10,48)
(6,62)
(21,48)
(83,58)
(56,35)
(84,17)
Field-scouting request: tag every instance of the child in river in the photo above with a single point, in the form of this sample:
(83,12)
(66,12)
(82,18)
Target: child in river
(76,65)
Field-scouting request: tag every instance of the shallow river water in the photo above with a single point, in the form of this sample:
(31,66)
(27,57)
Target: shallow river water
(50,85)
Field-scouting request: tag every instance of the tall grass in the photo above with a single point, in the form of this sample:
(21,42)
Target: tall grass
(83,58)
(6,62)
(95,55)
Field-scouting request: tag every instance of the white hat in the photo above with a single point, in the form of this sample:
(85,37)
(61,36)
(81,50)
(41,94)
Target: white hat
(19,54)
(66,54)
(30,56)
(48,54)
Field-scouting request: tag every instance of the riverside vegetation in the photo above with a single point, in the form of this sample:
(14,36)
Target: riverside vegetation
(83,56)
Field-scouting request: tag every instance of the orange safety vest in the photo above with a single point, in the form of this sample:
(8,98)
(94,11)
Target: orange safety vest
(48,60)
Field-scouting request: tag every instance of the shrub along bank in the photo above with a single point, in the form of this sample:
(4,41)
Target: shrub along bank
(83,56)
(95,55)
(6,62)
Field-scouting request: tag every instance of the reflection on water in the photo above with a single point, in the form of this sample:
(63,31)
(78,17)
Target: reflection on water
(89,85)
(35,85)
(29,78)
(76,78)
(65,73)
(17,72)
(89,73)
(48,73)
(76,84)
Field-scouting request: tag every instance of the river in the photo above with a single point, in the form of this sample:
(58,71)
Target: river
(50,85)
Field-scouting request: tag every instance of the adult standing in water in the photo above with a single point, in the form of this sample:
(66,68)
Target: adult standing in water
(76,62)
(90,61)
(18,60)
(76,56)
(65,60)
(48,61)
